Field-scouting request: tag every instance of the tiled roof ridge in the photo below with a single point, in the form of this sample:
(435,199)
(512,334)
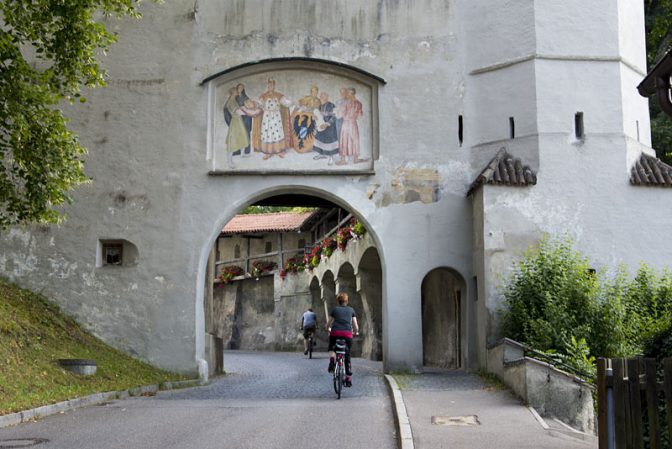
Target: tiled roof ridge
(504,169)
(276,213)
(270,222)
(650,171)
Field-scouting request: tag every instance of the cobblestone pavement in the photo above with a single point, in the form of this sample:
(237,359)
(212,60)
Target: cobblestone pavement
(267,401)
(284,375)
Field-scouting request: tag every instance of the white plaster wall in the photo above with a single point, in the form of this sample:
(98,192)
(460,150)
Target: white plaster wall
(147,138)
(575,28)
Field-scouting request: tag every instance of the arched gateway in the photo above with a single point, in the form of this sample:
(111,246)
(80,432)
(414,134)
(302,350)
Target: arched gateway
(196,122)
(262,312)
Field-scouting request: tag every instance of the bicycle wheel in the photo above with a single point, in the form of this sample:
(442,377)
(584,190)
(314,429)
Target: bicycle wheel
(338,380)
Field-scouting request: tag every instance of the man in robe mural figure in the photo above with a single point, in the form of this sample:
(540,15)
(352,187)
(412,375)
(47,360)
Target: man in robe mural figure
(348,141)
(326,138)
(271,130)
(237,137)
(242,99)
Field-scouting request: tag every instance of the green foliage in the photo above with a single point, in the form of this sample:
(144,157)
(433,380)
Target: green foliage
(47,54)
(34,334)
(550,298)
(658,24)
(275,209)
(557,305)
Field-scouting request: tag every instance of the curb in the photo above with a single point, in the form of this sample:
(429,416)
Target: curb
(96,398)
(400,416)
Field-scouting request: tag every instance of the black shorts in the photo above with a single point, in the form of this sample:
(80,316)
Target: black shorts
(307,331)
(332,343)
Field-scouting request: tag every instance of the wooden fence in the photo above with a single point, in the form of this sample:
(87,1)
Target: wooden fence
(630,397)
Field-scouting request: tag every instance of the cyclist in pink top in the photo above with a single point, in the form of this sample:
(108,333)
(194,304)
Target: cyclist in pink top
(342,322)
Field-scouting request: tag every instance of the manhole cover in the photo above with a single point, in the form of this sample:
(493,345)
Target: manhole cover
(469,420)
(21,442)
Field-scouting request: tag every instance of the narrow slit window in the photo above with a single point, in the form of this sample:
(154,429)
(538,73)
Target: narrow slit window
(302,244)
(269,247)
(578,126)
(236,252)
(460,130)
(512,128)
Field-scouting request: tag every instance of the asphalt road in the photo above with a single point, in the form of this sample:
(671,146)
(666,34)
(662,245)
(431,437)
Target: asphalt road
(267,400)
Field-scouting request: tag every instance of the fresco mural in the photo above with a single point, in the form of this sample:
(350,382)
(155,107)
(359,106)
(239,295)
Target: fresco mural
(292,120)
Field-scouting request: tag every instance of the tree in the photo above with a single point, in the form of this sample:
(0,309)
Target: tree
(48,51)
(658,23)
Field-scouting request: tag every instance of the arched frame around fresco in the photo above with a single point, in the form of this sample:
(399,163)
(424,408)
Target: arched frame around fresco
(295,81)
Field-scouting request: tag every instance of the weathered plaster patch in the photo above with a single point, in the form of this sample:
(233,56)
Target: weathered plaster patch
(549,216)
(409,185)
(61,268)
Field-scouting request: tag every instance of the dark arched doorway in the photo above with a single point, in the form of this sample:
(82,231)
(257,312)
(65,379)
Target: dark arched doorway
(442,293)
(370,292)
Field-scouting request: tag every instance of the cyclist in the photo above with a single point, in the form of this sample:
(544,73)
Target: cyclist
(342,322)
(308,326)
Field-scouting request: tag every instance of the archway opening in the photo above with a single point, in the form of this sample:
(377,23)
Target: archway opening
(370,292)
(272,262)
(443,291)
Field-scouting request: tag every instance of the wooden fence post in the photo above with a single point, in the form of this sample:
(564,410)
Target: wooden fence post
(622,418)
(635,404)
(602,403)
(652,403)
(667,386)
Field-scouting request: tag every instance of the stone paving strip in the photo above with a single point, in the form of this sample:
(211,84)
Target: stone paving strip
(400,416)
(96,398)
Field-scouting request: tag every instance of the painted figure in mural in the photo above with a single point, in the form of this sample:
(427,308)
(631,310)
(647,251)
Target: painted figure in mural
(326,138)
(237,137)
(339,120)
(271,129)
(303,121)
(348,140)
(244,101)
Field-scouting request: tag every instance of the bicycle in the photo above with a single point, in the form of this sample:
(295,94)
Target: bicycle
(339,370)
(311,344)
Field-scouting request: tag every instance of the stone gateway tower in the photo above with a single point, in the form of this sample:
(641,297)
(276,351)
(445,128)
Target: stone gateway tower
(458,131)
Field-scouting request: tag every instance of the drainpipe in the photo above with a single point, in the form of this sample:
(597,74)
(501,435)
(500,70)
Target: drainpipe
(663,92)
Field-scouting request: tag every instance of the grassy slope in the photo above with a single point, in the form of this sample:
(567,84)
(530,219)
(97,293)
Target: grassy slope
(34,334)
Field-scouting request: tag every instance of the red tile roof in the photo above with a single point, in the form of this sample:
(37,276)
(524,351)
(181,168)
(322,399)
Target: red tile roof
(274,222)
(650,171)
(504,169)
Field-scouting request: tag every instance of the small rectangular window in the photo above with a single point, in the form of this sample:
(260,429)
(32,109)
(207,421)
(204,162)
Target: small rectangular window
(460,130)
(269,247)
(512,128)
(112,253)
(578,126)
(475,280)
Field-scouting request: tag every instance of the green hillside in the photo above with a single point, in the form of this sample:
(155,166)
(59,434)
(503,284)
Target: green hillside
(34,334)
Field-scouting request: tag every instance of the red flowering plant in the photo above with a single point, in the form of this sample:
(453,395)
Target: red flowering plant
(312,259)
(357,228)
(293,266)
(343,236)
(260,267)
(229,272)
(328,247)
